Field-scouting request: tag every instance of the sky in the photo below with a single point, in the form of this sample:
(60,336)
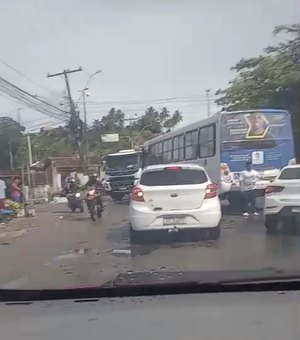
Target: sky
(151,52)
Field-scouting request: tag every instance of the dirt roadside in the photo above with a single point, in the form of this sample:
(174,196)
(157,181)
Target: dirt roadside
(13,230)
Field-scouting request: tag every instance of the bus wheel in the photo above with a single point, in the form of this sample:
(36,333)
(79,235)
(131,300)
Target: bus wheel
(235,200)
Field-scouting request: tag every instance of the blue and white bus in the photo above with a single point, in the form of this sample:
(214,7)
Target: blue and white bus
(224,142)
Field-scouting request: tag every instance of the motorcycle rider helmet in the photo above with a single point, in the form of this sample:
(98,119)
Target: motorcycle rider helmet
(93,175)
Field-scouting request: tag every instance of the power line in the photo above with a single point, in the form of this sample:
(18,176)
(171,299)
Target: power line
(23,75)
(32,101)
(141,102)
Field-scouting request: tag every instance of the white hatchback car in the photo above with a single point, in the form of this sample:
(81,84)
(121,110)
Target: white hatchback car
(177,198)
(282,197)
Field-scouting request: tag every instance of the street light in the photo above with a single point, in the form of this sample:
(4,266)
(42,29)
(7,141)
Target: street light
(87,83)
(133,142)
(129,139)
(84,94)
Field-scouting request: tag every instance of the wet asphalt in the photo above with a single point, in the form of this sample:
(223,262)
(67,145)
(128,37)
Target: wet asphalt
(60,249)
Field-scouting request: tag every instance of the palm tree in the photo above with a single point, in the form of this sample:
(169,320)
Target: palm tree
(97,125)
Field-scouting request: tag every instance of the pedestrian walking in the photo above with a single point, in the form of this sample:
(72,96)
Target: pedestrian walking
(2,194)
(248,179)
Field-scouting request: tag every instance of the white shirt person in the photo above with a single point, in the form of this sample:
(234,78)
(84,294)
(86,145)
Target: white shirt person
(248,180)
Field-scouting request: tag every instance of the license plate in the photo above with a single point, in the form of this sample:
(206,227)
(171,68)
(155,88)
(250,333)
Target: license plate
(174,220)
(296,210)
(122,188)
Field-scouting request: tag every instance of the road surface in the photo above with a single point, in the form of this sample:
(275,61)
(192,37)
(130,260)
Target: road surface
(59,249)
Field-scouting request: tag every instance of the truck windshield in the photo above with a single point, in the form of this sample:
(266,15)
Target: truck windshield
(122,162)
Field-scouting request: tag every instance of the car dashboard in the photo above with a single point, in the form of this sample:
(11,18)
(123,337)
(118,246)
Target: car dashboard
(220,316)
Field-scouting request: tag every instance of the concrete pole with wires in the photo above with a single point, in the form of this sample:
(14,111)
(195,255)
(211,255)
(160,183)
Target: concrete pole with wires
(75,119)
(208,101)
(86,144)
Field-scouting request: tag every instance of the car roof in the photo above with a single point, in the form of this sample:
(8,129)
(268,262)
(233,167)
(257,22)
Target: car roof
(292,166)
(182,165)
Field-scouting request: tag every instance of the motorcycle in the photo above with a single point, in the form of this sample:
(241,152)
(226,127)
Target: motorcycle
(75,201)
(93,199)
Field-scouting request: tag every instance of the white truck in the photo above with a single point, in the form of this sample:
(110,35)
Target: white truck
(122,169)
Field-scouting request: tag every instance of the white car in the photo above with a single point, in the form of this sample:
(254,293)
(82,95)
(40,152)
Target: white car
(282,197)
(177,198)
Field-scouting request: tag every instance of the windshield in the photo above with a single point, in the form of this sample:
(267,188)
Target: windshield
(173,177)
(105,94)
(291,173)
(122,162)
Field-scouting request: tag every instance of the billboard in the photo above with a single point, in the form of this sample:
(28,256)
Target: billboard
(263,137)
(110,137)
(254,130)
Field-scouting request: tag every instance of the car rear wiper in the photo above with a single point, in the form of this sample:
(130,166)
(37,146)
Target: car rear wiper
(122,287)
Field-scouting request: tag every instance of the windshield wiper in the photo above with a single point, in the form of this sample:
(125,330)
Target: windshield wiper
(178,283)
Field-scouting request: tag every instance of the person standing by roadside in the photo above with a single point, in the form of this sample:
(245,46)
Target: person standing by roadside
(16,190)
(2,194)
(248,179)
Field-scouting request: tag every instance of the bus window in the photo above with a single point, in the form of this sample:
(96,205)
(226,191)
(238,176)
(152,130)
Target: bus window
(167,150)
(207,141)
(178,148)
(191,145)
(148,156)
(158,152)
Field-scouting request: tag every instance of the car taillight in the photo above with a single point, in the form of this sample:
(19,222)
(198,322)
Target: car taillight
(173,167)
(273,188)
(137,194)
(211,191)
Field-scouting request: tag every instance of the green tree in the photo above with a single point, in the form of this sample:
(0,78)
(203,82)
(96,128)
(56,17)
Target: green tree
(10,141)
(271,80)
(113,121)
(158,121)
(174,120)
(97,125)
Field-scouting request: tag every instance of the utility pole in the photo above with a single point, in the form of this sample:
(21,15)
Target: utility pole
(29,150)
(11,156)
(30,211)
(65,74)
(76,123)
(86,145)
(208,101)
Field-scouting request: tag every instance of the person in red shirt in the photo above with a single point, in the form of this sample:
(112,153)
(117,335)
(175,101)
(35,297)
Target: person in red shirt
(16,190)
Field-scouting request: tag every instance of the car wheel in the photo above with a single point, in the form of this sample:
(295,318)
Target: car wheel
(117,197)
(215,233)
(235,201)
(81,208)
(271,224)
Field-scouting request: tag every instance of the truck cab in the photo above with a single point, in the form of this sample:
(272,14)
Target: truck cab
(122,169)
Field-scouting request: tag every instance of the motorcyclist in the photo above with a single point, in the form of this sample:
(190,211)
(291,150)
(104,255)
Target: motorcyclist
(94,182)
(71,185)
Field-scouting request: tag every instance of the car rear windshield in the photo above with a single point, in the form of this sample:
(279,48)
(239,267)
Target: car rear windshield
(173,177)
(290,173)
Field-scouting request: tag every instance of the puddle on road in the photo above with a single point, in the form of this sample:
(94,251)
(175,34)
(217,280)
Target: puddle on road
(121,252)
(72,254)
